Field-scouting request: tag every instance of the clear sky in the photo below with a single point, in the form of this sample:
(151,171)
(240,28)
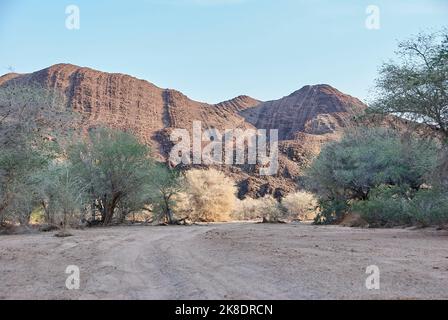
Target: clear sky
(213,50)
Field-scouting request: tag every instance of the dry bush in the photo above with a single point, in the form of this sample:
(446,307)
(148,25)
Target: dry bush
(266,208)
(182,208)
(271,210)
(247,209)
(209,195)
(301,205)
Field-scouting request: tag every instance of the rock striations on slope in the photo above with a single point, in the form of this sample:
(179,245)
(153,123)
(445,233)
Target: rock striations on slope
(305,119)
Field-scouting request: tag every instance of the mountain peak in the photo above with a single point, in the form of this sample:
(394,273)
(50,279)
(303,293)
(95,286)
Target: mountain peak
(8,76)
(121,100)
(239,103)
(304,119)
(316,88)
(313,109)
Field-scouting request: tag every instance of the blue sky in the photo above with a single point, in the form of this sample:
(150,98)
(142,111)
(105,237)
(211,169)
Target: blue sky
(213,50)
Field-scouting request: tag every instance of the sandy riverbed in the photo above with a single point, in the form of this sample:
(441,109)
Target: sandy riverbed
(226,261)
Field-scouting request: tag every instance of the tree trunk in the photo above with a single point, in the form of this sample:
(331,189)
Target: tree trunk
(108,214)
(109,209)
(3,206)
(168,212)
(48,217)
(170,216)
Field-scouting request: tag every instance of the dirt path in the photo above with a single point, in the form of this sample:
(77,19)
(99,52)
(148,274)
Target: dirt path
(226,261)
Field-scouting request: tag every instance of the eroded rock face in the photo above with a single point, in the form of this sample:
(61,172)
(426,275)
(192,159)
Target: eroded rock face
(318,109)
(115,100)
(306,118)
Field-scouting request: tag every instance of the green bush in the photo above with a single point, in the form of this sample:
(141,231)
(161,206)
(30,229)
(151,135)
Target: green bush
(368,157)
(331,211)
(365,158)
(393,206)
(386,207)
(430,207)
(166,184)
(62,195)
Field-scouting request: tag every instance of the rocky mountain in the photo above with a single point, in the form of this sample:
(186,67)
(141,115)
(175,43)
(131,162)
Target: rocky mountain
(305,119)
(317,110)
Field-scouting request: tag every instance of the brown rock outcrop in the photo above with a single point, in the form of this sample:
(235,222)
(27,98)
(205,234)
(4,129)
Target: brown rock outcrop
(305,119)
(317,109)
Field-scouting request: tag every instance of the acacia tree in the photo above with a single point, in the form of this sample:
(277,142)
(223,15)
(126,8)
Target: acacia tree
(114,165)
(30,118)
(166,183)
(364,159)
(18,190)
(62,194)
(352,167)
(416,88)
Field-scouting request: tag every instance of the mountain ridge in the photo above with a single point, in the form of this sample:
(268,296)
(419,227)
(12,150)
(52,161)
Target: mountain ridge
(306,118)
(9,76)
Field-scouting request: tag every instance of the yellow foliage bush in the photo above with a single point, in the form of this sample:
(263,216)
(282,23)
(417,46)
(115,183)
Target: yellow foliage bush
(266,208)
(301,205)
(298,205)
(209,196)
(247,209)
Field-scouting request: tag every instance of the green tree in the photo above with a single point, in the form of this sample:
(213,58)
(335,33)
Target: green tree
(364,159)
(18,189)
(165,184)
(62,193)
(416,88)
(114,165)
(28,130)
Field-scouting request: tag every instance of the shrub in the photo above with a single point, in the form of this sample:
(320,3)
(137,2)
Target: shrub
(387,206)
(301,205)
(266,208)
(62,194)
(247,209)
(271,210)
(210,194)
(181,205)
(392,206)
(430,207)
(166,183)
(364,159)
(368,157)
(331,210)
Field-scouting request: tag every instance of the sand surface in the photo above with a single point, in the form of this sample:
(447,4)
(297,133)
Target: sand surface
(226,261)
